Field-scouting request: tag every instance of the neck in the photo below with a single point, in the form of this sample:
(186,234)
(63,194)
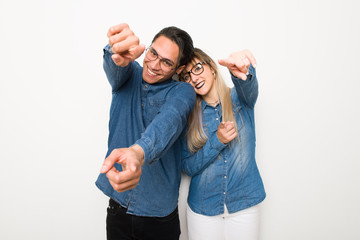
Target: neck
(212,101)
(212,98)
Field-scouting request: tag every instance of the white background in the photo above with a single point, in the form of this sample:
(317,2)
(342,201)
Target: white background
(54,106)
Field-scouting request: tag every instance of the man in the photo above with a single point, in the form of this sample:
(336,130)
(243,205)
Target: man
(149,110)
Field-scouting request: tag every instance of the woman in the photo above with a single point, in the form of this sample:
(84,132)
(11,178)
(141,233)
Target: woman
(219,150)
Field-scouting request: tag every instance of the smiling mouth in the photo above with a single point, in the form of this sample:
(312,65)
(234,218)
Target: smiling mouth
(200,85)
(151,72)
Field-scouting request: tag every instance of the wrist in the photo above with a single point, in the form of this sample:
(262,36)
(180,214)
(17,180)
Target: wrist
(139,152)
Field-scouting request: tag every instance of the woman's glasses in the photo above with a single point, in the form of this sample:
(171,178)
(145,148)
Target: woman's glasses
(197,69)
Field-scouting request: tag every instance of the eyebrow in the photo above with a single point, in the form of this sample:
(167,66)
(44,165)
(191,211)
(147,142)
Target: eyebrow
(195,64)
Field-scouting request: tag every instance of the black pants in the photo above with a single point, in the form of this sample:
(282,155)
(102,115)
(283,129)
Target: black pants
(120,225)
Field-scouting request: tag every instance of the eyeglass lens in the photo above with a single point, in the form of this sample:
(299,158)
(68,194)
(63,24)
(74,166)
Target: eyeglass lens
(166,64)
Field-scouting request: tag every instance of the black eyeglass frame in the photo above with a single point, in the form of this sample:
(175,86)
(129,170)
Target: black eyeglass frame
(191,71)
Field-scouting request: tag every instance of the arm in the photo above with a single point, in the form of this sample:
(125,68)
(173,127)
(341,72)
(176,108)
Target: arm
(247,90)
(123,48)
(242,68)
(115,74)
(167,126)
(194,163)
(131,159)
(162,132)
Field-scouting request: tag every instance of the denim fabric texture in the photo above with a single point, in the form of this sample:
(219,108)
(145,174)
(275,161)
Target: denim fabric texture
(152,116)
(226,173)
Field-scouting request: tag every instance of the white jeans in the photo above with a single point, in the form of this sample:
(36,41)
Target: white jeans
(242,225)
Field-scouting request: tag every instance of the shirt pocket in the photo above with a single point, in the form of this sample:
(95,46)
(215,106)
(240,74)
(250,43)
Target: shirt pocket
(154,108)
(210,128)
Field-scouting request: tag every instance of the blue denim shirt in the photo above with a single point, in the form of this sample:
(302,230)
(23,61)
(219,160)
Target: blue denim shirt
(152,116)
(226,173)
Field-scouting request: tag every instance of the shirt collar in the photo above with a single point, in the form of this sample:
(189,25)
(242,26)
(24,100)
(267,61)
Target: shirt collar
(204,104)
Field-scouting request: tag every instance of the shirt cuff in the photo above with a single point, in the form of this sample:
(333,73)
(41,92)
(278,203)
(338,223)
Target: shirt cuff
(145,144)
(250,76)
(216,144)
(107,48)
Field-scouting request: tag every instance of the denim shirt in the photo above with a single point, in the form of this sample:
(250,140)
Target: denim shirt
(226,173)
(152,116)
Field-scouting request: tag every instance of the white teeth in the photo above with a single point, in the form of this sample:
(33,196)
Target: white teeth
(152,73)
(199,85)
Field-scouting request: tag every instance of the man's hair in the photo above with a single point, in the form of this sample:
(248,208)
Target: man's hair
(182,39)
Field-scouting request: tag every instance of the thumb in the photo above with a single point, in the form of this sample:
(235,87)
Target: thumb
(137,51)
(109,162)
(118,60)
(133,166)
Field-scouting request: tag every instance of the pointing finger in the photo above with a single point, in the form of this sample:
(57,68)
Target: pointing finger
(137,51)
(118,59)
(108,164)
(226,62)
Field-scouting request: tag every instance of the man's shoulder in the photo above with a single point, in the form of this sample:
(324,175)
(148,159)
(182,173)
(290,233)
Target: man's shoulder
(183,86)
(182,89)
(133,70)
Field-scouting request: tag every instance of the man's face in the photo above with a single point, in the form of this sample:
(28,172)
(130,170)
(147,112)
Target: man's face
(160,61)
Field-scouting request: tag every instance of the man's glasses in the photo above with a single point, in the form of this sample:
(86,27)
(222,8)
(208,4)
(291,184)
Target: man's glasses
(165,64)
(197,69)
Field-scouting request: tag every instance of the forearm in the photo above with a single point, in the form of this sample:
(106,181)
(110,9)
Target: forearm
(139,153)
(116,75)
(168,124)
(163,131)
(194,163)
(247,90)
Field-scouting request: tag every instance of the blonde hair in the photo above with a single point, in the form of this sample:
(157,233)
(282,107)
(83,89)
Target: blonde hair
(195,135)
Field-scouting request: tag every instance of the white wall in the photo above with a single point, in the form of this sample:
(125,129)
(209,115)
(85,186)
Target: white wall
(54,106)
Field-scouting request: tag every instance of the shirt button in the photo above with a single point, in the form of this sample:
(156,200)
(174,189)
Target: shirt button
(217,119)
(146,86)
(224,193)
(215,109)
(142,105)
(225,161)
(224,176)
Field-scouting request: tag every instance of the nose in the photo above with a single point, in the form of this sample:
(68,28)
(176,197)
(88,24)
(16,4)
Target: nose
(155,64)
(194,77)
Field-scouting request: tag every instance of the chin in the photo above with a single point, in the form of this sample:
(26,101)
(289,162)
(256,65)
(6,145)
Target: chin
(199,93)
(150,79)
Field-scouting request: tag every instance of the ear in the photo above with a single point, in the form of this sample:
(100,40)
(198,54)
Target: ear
(180,69)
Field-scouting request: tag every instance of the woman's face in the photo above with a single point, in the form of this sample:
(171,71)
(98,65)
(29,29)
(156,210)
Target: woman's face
(201,77)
